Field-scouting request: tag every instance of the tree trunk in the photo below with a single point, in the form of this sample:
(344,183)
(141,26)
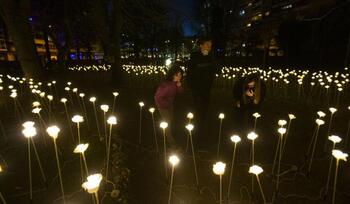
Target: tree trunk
(347,54)
(63,51)
(7,39)
(47,47)
(117,64)
(14,15)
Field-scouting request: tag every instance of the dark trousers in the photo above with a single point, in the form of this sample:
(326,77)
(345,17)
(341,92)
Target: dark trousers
(201,106)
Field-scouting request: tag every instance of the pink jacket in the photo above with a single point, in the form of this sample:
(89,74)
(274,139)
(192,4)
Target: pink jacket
(166,93)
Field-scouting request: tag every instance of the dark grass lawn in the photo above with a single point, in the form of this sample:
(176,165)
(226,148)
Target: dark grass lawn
(147,182)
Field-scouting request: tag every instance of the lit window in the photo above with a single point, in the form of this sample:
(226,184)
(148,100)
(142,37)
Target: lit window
(289,6)
(242,12)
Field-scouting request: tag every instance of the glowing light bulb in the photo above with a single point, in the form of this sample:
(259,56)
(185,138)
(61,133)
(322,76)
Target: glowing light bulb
(81,148)
(13,95)
(189,127)
(36,110)
(151,110)
(174,160)
(93,183)
(252,136)
(29,132)
(189,115)
(332,110)
(28,124)
(334,138)
(50,97)
(53,131)
(115,94)
(221,116)
(291,116)
(282,131)
(63,100)
(235,138)
(256,115)
(319,122)
(219,168)
(255,169)
(163,125)
(92,99)
(112,120)
(282,122)
(77,119)
(36,104)
(104,108)
(339,154)
(141,104)
(321,114)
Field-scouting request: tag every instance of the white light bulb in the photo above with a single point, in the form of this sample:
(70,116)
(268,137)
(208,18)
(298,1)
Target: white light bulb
(256,115)
(29,132)
(291,116)
(36,110)
(174,160)
(334,138)
(189,115)
(115,94)
(81,148)
(252,136)
(282,131)
(163,125)
(319,122)
(332,110)
(63,100)
(189,127)
(141,104)
(112,120)
(339,154)
(255,169)
(219,168)
(104,108)
(93,183)
(235,138)
(53,131)
(221,116)
(282,122)
(36,104)
(321,114)
(151,110)
(28,124)
(92,99)
(77,119)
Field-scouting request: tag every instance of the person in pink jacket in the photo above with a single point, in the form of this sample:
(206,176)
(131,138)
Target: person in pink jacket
(165,96)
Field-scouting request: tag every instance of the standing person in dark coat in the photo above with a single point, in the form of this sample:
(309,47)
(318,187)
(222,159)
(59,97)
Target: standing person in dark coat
(165,96)
(201,71)
(248,95)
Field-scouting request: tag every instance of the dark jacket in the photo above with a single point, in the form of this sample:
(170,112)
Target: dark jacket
(201,71)
(238,91)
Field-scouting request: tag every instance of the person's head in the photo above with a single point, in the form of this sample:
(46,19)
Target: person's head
(205,45)
(175,73)
(251,88)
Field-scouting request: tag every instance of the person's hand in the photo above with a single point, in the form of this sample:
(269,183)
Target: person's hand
(249,93)
(178,84)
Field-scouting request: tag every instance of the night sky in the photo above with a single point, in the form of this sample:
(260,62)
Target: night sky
(188,8)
